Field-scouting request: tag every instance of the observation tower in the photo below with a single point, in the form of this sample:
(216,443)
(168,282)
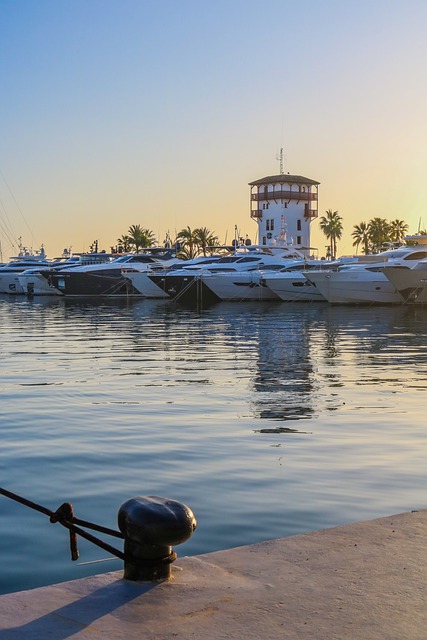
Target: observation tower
(284,206)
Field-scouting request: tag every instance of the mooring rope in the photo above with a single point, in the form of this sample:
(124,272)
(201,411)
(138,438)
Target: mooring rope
(65,516)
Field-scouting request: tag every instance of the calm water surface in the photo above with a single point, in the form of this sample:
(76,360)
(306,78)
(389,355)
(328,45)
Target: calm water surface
(266,419)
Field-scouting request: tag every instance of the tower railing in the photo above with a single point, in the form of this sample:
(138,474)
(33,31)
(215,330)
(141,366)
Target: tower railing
(284,195)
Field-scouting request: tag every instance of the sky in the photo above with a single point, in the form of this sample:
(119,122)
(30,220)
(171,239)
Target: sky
(160,112)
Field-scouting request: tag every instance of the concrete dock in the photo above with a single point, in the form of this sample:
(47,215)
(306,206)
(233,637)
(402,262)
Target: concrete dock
(364,581)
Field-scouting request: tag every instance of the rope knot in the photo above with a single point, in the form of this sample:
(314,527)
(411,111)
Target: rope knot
(64,513)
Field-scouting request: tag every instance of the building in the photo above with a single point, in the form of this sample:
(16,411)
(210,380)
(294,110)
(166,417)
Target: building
(284,207)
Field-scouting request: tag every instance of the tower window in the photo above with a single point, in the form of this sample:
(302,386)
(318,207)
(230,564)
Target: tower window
(298,239)
(298,225)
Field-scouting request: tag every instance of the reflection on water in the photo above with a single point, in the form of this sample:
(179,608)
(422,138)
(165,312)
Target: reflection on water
(267,419)
(285,382)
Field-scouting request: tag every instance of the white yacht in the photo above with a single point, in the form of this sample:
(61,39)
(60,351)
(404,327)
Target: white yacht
(364,281)
(189,284)
(248,283)
(139,277)
(291,285)
(410,283)
(38,282)
(177,279)
(9,280)
(106,279)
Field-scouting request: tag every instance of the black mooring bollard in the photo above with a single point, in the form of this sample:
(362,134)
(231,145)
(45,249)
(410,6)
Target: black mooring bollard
(151,525)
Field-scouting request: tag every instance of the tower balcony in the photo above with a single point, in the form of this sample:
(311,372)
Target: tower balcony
(256,214)
(310,213)
(284,195)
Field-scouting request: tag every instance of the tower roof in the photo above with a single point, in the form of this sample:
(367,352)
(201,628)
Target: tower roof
(283,178)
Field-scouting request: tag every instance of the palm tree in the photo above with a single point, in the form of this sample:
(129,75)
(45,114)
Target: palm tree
(140,238)
(398,230)
(379,233)
(184,253)
(361,236)
(331,225)
(188,238)
(124,244)
(204,239)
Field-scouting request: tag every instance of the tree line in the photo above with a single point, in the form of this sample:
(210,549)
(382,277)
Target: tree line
(188,242)
(372,237)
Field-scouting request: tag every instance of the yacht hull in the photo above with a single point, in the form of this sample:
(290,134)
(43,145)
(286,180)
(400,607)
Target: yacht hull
(9,283)
(240,287)
(38,284)
(354,288)
(96,284)
(185,289)
(410,283)
(293,287)
(142,283)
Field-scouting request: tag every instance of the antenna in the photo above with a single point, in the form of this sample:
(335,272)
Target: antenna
(280,158)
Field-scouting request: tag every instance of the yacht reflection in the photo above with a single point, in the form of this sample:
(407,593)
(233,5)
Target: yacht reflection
(291,360)
(285,381)
(306,353)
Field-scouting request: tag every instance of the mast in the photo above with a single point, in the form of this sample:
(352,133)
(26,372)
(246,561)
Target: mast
(280,158)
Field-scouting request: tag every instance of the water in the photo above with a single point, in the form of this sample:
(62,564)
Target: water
(266,419)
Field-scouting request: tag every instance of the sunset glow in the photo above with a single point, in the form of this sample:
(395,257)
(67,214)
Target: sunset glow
(161,113)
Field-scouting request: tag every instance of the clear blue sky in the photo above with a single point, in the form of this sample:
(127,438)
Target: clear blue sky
(160,112)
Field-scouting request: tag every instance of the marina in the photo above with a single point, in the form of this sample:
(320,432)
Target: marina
(268,419)
(213,321)
(276,392)
(283,266)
